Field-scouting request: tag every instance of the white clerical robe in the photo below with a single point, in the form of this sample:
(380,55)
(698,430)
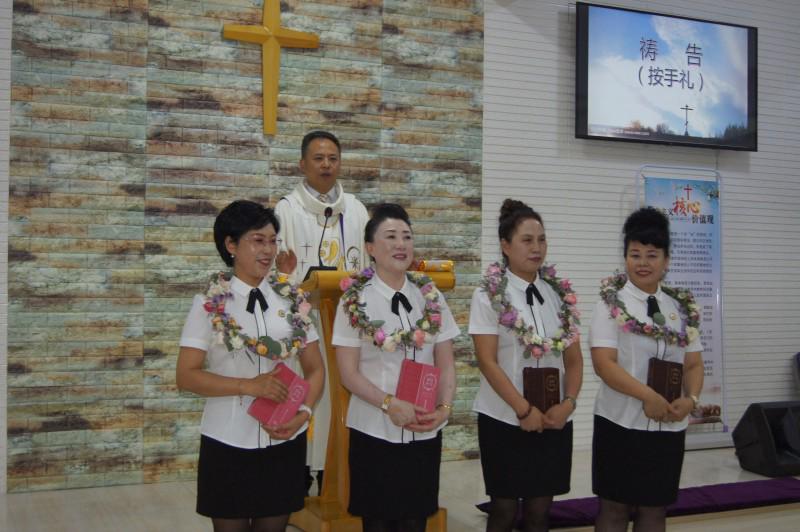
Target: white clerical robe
(302,219)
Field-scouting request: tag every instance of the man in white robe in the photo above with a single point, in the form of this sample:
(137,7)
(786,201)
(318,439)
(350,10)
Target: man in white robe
(321,225)
(309,237)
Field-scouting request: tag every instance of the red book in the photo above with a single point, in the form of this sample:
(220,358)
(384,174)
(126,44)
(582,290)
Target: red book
(271,413)
(418,384)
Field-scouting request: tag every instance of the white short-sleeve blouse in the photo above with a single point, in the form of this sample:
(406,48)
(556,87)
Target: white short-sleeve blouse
(633,355)
(225,418)
(382,368)
(484,320)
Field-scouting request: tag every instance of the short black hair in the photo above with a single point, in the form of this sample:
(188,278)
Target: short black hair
(647,225)
(381,213)
(319,134)
(512,213)
(238,218)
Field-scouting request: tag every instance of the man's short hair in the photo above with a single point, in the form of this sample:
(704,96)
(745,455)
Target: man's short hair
(319,134)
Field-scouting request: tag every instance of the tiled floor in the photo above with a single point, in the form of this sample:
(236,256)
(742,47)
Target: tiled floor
(170,506)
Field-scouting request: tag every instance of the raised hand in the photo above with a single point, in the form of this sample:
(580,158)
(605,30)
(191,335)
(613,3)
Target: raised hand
(286,261)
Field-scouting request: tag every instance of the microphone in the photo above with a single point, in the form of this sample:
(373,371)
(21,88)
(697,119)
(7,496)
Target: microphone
(328,214)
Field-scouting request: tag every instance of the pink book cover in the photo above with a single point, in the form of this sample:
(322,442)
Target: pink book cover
(418,384)
(271,413)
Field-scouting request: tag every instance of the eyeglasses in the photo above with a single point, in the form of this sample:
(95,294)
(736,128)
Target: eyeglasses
(260,242)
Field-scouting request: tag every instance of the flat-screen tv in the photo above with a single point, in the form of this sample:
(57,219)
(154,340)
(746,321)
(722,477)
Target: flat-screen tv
(647,77)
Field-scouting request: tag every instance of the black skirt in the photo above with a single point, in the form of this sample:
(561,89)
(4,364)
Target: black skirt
(519,464)
(636,467)
(235,483)
(394,480)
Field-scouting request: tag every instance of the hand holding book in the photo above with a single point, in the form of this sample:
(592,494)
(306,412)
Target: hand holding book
(557,415)
(533,422)
(403,413)
(666,379)
(679,409)
(428,421)
(280,418)
(418,384)
(267,385)
(286,430)
(541,387)
(655,406)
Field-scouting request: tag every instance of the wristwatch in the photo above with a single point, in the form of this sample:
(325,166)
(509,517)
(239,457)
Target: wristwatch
(386,401)
(571,400)
(695,401)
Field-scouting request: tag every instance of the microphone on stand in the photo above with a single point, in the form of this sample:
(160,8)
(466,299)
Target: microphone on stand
(328,214)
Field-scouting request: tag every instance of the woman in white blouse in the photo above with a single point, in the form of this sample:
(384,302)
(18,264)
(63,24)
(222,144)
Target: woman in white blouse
(521,317)
(386,316)
(249,477)
(638,435)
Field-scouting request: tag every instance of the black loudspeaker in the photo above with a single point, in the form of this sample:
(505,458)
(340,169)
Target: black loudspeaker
(767,439)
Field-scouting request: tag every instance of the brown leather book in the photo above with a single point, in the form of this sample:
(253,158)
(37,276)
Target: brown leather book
(665,377)
(541,388)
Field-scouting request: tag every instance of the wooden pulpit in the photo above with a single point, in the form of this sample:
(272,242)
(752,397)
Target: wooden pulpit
(328,512)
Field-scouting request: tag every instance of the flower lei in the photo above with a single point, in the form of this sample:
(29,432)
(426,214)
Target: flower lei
(494,284)
(425,329)
(228,332)
(609,292)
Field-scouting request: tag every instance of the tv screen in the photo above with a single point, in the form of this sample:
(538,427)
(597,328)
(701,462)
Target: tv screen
(646,77)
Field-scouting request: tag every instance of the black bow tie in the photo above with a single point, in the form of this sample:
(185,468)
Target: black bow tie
(533,291)
(652,306)
(396,300)
(255,294)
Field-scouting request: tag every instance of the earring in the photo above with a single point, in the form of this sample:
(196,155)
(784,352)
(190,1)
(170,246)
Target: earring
(233,256)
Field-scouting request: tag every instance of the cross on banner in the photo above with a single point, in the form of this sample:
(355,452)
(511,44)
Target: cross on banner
(271,36)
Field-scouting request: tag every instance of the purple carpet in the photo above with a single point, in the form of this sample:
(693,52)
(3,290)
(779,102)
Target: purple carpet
(702,499)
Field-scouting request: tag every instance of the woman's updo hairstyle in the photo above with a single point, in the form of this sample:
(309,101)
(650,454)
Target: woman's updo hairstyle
(648,226)
(381,213)
(513,213)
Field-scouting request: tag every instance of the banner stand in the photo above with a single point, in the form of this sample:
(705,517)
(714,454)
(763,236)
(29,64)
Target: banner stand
(690,197)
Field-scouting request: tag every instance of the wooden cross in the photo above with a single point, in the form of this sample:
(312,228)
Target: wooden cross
(271,36)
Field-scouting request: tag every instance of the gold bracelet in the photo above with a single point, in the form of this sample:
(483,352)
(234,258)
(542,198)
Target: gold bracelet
(446,406)
(386,401)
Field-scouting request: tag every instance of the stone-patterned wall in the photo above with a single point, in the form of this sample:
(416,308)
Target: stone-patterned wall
(133,123)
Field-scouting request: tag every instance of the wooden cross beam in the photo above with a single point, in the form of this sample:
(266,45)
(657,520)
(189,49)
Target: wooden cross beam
(271,36)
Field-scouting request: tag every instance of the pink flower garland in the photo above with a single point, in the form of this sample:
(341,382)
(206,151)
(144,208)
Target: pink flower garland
(494,284)
(228,332)
(609,292)
(425,329)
